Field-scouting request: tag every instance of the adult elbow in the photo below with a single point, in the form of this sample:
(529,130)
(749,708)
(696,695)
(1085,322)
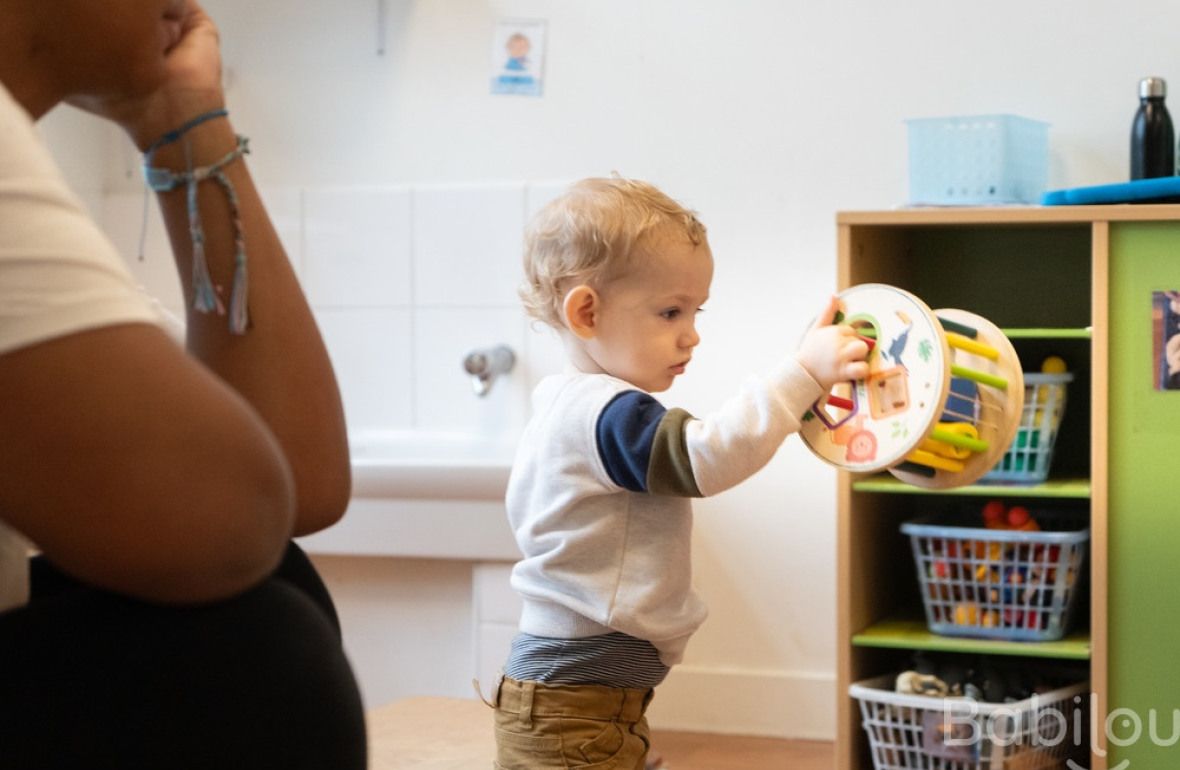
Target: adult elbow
(248,523)
(322,497)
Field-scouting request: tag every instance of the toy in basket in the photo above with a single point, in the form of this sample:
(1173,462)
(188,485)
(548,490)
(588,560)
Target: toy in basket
(942,400)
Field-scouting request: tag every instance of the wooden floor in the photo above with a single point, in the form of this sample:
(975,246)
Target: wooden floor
(705,751)
(454,734)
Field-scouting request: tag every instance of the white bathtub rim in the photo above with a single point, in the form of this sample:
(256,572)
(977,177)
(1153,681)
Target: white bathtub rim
(430,465)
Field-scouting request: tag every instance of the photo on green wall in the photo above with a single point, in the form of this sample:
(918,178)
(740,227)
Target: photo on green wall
(1165,339)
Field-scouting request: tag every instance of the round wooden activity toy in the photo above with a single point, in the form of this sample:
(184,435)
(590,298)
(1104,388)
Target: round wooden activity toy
(942,400)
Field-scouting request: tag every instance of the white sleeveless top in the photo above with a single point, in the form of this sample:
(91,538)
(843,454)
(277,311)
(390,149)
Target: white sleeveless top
(58,275)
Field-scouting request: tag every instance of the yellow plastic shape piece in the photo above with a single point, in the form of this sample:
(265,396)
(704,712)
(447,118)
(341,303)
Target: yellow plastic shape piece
(968,345)
(931,460)
(943,449)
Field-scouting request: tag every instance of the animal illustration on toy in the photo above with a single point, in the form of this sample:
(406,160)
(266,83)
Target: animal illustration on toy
(942,400)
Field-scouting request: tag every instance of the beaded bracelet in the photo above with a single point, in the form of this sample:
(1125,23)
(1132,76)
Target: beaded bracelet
(205,297)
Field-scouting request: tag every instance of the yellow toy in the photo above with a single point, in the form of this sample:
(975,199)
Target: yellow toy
(942,401)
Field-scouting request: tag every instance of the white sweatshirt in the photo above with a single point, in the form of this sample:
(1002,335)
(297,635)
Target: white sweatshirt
(599,499)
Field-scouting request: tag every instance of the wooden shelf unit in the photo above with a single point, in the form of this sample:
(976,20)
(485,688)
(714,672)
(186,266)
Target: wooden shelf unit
(1040,274)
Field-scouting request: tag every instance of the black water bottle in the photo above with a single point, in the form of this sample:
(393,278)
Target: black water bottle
(1153,144)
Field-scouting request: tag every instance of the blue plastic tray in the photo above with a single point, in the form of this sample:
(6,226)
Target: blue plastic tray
(1139,191)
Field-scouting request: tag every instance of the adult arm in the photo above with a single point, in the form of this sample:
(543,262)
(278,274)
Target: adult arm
(132,465)
(280,365)
(134,469)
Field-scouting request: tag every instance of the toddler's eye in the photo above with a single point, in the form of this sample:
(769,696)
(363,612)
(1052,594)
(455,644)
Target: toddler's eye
(670,313)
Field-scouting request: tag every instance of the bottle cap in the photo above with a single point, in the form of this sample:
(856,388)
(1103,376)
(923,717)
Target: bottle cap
(1151,87)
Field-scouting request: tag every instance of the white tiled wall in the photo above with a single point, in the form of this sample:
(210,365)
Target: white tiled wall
(372,353)
(357,248)
(123,219)
(404,282)
(285,206)
(467,245)
(496,614)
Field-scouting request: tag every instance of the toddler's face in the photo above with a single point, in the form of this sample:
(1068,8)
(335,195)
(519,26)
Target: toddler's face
(646,329)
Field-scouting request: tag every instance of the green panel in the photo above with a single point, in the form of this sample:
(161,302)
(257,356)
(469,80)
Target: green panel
(914,635)
(1047,334)
(1144,503)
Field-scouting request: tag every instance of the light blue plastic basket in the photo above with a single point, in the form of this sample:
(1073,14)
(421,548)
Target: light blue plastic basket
(998,583)
(977,160)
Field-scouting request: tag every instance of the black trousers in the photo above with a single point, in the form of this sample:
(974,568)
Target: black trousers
(89,679)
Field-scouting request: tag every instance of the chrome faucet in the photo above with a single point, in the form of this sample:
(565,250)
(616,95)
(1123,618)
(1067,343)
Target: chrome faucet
(486,364)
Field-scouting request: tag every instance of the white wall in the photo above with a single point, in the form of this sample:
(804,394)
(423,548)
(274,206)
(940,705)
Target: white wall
(767,117)
(79,146)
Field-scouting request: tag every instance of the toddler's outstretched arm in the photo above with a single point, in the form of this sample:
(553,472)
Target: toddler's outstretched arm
(647,448)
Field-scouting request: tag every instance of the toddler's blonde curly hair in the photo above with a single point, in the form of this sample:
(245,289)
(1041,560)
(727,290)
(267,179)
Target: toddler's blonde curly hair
(590,234)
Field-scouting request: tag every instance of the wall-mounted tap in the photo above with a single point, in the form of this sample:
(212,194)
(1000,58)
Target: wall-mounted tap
(486,364)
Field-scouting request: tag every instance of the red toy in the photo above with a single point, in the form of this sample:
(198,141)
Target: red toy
(997,516)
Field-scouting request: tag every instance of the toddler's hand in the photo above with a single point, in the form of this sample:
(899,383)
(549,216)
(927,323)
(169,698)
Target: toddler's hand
(832,353)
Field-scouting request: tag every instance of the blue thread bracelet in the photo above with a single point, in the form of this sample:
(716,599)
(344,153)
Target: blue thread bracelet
(176,133)
(205,297)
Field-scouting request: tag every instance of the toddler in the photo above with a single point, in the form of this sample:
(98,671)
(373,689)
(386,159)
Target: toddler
(599,496)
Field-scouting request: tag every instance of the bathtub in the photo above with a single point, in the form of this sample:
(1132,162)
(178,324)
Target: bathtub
(424,495)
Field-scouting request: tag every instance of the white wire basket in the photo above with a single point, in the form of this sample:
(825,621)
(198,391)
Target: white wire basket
(921,732)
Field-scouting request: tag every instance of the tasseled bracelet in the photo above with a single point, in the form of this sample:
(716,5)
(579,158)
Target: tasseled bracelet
(205,297)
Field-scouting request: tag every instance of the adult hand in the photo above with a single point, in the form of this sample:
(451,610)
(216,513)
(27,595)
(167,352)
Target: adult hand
(191,85)
(832,352)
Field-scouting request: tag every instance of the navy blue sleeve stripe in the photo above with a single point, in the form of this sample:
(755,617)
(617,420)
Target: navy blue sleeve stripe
(625,432)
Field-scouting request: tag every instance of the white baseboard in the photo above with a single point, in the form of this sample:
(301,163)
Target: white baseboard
(778,704)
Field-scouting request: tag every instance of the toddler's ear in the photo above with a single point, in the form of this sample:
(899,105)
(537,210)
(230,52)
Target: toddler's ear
(580,309)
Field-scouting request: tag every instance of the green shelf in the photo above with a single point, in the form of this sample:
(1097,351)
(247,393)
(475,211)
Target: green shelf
(1053,488)
(913,635)
(1048,334)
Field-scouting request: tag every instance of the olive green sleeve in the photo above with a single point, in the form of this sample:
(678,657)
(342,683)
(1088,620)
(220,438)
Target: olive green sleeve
(670,470)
